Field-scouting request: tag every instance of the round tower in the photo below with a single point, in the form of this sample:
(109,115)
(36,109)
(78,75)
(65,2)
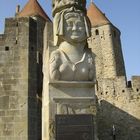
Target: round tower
(106,45)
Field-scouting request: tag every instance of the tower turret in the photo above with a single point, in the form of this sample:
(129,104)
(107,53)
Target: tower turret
(33,8)
(106,45)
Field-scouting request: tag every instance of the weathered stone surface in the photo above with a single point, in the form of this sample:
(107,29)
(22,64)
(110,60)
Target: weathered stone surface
(4,102)
(118,102)
(69,82)
(21,78)
(71,29)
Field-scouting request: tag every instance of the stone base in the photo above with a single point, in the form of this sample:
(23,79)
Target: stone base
(67,98)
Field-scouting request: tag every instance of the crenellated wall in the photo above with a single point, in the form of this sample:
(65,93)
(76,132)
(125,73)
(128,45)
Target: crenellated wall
(118,100)
(119,105)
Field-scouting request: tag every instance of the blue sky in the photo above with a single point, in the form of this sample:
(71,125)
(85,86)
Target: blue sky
(124,14)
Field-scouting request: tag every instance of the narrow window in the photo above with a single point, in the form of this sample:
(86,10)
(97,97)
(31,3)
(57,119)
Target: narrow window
(17,24)
(6,48)
(16,40)
(97,32)
(129,85)
(32,48)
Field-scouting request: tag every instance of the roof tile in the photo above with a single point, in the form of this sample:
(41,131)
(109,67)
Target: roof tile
(33,8)
(96,17)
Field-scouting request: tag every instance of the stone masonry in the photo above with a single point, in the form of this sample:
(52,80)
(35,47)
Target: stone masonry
(22,46)
(21,50)
(118,100)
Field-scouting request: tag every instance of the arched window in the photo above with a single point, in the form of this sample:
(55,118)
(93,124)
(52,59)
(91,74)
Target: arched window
(97,32)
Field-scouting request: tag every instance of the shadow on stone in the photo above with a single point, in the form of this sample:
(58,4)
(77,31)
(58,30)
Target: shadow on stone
(127,127)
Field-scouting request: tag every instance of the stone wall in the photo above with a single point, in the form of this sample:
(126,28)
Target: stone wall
(118,100)
(21,48)
(118,106)
(14,81)
(106,46)
(2,39)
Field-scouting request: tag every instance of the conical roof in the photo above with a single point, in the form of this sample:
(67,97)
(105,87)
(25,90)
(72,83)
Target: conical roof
(96,17)
(33,8)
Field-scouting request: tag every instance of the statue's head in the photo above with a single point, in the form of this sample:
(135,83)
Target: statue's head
(60,5)
(71,25)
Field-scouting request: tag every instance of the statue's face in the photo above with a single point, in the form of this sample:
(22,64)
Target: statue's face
(74,29)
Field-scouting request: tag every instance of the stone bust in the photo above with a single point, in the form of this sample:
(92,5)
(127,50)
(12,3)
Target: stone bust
(72,61)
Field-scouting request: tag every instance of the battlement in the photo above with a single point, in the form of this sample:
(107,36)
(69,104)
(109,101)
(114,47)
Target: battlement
(1,36)
(136,83)
(13,22)
(119,89)
(2,39)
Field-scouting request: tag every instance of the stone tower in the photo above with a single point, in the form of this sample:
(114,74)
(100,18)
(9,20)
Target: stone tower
(118,101)
(21,49)
(106,45)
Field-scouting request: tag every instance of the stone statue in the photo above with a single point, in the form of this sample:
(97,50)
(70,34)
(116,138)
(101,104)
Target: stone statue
(72,61)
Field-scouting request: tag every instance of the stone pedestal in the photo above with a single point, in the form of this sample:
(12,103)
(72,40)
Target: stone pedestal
(67,98)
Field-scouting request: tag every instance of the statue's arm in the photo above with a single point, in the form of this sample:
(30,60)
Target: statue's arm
(55,62)
(91,74)
(91,70)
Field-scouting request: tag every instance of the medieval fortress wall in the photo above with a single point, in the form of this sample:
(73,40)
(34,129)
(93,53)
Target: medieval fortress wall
(13,80)
(20,75)
(20,78)
(119,100)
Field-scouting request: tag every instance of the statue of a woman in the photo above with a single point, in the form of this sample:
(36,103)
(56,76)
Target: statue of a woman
(72,61)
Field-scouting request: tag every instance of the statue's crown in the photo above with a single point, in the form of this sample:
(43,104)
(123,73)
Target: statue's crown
(59,5)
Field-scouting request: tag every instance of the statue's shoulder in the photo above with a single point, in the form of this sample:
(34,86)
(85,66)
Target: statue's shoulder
(55,53)
(55,56)
(88,51)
